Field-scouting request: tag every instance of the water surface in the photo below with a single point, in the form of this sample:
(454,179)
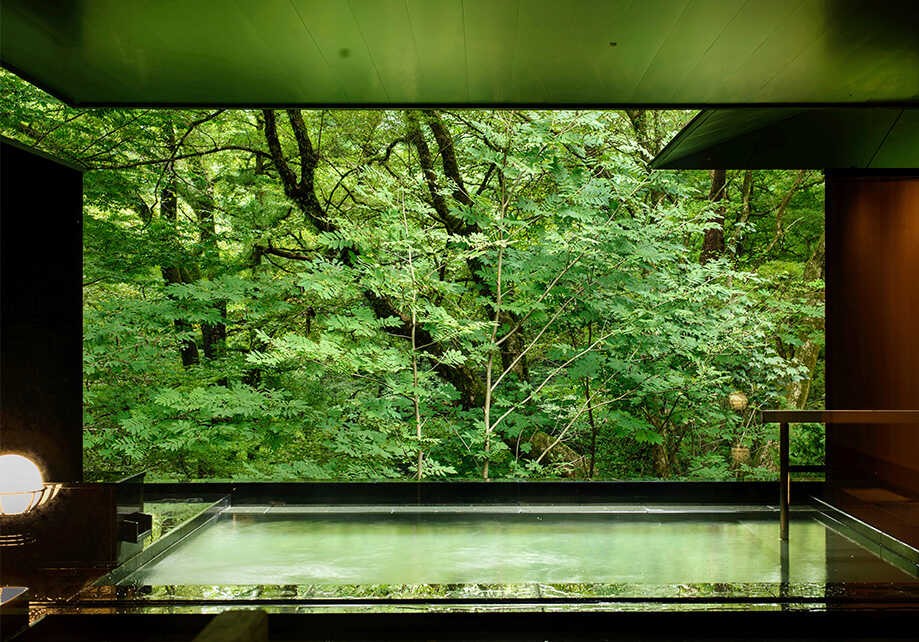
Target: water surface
(510,549)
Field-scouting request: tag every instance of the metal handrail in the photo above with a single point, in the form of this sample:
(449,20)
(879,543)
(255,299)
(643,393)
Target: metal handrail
(786,417)
(840,416)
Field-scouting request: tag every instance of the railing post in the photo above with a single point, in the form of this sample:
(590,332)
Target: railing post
(785,569)
(786,417)
(784,482)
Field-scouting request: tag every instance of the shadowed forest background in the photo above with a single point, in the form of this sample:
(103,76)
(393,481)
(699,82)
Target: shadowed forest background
(352,295)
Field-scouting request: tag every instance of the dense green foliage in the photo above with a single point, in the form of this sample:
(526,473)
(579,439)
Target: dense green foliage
(302,294)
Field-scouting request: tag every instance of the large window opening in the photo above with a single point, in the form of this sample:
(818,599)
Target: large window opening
(436,294)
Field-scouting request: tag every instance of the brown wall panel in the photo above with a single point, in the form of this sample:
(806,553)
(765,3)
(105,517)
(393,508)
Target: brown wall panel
(41,312)
(872,327)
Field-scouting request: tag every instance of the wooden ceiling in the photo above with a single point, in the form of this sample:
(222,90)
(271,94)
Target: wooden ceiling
(548,53)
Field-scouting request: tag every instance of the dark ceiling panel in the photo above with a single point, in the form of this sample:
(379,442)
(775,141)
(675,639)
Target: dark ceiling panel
(802,138)
(467,52)
(901,147)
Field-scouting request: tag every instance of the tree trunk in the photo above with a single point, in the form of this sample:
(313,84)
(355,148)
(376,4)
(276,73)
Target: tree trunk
(808,352)
(253,375)
(663,462)
(646,125)
(301,192)
(593,428)
(746,194)
(213,335)
(713,244)
(169,208)
(780,211)
(558,454)
(806,355)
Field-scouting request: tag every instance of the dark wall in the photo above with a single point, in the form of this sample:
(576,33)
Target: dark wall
(872,327)
(41,312)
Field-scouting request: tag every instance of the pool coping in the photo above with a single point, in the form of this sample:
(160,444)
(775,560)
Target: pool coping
(876,541)
(694,595)
(210,511)
(721,500)
(509,509)
(415,493)
(111,592)
(618,624)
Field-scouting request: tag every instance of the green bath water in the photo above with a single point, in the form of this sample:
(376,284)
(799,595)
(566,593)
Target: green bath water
(509,549)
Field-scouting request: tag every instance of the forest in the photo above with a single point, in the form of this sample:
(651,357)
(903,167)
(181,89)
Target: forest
(292,294)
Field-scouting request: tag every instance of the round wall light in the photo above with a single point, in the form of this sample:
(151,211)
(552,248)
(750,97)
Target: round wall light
(21,485)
